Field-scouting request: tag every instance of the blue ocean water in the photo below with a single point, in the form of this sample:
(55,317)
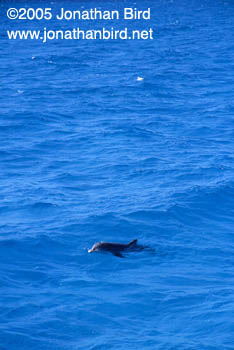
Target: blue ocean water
(90,153)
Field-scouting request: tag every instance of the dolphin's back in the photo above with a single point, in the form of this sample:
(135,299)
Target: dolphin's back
(114,248)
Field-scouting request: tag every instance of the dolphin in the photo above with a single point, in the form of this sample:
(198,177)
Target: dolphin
(114,248)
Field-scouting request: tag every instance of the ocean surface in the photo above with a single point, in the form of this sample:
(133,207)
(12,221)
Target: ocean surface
(89,152)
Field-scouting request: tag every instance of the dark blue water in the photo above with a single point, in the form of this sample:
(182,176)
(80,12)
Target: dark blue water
(90,153)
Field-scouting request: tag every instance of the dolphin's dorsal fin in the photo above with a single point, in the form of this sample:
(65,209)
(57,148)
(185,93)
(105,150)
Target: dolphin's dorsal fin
(132,242)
